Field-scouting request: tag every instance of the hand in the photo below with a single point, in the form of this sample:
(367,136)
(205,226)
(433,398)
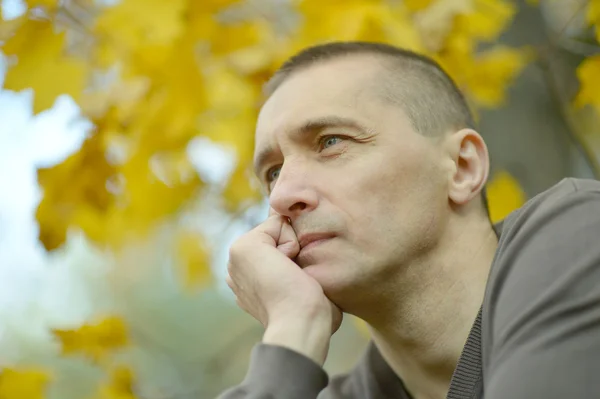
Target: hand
(273,289)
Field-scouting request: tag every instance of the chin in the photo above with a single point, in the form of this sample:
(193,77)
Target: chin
(334,278)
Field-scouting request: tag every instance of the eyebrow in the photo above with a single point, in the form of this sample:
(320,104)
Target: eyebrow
(311,126)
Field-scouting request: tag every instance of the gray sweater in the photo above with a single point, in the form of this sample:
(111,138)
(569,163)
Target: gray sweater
(537,334)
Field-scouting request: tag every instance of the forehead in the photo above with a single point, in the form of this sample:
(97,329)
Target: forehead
(341,88)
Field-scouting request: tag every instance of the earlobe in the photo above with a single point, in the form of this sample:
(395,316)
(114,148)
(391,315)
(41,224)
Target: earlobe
(471,167)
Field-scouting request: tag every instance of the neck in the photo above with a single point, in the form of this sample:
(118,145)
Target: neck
(425,312)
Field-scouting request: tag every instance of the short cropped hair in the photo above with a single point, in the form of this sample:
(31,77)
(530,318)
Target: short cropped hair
(426,93)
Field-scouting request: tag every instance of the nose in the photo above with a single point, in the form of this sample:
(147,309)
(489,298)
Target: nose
(293,192)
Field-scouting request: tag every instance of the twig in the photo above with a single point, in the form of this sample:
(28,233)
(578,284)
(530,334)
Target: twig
(588,154)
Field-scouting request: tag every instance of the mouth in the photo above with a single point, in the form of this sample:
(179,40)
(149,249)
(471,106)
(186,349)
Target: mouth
(308,241)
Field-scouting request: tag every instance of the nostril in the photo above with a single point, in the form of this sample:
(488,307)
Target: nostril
(298,206)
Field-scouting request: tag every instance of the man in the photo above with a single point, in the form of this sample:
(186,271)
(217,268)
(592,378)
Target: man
(375,177)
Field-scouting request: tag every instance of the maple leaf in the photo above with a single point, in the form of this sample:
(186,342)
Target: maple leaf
(192,253)
(8,27)
(132,23)
(588,73)
(170,181)
(504,195)
(227,91)
(493,71)
(485,20)
(95,341)
(362,20)
(23,383)
(42,64)
(242,189)
(592,14)
(211,6)
(437,21)
(224,38)
(120,97)
(322,22)
(176,95)
(49,4)
(120,385)
(74,190)
(417,5)
(232,37)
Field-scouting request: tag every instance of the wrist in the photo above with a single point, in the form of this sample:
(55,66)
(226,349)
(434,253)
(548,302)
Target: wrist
(307,336)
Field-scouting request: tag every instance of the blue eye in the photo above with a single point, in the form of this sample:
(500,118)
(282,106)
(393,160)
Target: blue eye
(273,173)
(329,141)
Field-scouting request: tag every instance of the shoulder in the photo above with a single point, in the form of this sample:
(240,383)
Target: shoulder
(541,310)
(551,227)
(548,252)
(571,197)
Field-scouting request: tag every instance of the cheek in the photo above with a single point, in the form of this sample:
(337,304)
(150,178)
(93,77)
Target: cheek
(391,199)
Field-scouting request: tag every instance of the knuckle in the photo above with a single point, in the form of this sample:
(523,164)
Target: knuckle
(234,251)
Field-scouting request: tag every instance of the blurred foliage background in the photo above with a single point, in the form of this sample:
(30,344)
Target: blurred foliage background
(137,220)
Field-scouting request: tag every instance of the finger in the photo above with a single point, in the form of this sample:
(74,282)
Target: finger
(270,229)
(288,242)
(240,304)
(229,281)
(232,284)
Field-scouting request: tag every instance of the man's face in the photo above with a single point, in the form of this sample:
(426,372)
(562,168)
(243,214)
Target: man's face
(352,175)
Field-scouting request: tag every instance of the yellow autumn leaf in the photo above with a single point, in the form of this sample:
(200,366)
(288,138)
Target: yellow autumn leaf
(363,20)
(436,21)
(170,109)
(42,64)
(74,187)
(23,383)
(361,326)
(49,4)
(121,97)
(457,56)
(253,62)
(9,27)
(417,5)
(228,38)
(493,71)
(226,90)
(120,385)
(331,21)
(211,6)
(504,195)
(96,340)
(486,19)
(170,181)
(221,38)
(588,73)
(232,107)
(193,255)
(397,28)
(131,23)
(242,188)
(592,14)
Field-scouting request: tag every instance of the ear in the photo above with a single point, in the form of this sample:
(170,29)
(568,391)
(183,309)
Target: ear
(472,165)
